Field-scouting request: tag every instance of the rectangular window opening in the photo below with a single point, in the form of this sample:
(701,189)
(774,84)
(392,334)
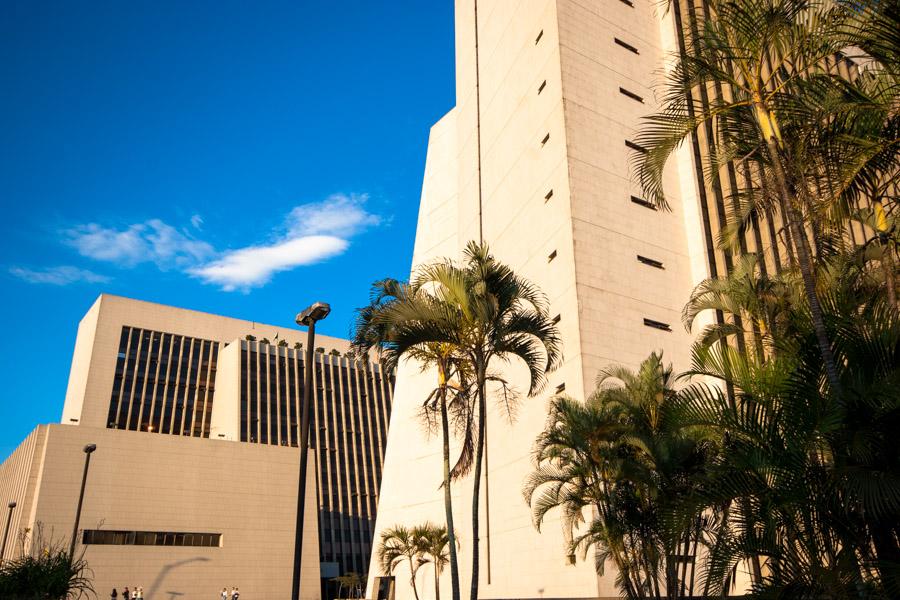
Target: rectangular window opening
(561,388)
(642,202)
(626,45)
(149,538)
(636,147)
(548,195)
(542,86)
(631,95)
(628,2)
(650,262)
(657,324)
(551,256)
(545,140)
(539,36)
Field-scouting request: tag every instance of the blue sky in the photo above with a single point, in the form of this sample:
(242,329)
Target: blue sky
(231,157)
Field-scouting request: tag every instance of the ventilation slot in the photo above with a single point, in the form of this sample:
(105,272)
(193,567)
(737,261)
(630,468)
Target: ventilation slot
(631,95)
(626,45)
(657,324)
(551,256)
(540,35)
(628,2)
(642,202)
(542,86)
(633,146)
(548,195)
(561,388)
(545,140)
(650,262)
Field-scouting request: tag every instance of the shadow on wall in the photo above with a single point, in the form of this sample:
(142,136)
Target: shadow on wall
(161,576)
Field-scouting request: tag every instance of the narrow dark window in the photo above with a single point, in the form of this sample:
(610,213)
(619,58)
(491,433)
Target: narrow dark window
(643,202)
(631,95)
(557,319)
(650,262)
(626,45)
(545,140)
(561,388)
(636,147)
(548,195)
(542,86)
(657,324)
(551,256)
(539,36)
(628,2)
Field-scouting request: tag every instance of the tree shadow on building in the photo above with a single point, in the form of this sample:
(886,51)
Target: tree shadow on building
(163,573)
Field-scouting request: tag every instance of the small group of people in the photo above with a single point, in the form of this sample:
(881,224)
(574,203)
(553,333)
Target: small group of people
(136,594)
(235,594)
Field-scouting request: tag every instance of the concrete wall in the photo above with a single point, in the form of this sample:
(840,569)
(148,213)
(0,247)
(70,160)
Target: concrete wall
(145,482)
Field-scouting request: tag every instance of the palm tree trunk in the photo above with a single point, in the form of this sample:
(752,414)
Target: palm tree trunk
(412,578)
(448,499)
(476,486)
(437,583)
(804,261)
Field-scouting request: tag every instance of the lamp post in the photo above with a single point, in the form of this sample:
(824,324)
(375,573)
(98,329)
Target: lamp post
(11,506)
(308,317)
(88,450)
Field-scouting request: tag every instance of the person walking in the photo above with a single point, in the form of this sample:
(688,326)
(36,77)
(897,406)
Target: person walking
(138,593)
(126,595)
(114,595)
(224,593)
(235,594)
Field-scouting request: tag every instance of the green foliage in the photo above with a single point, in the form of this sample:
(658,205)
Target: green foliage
(46,572)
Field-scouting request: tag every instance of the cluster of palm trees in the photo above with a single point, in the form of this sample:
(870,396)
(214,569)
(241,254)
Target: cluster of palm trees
(460,320)
(417,546)
(777,455)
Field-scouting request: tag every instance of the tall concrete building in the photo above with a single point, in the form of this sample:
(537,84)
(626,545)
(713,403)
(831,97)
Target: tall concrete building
(195,419)
(533,160)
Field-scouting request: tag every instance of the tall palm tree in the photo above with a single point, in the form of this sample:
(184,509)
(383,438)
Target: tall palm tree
(403,322)
(479,313)
(434,546)
(770,57)
(496,316)
(399,544)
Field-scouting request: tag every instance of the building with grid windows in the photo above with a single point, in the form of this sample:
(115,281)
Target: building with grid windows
(195,420)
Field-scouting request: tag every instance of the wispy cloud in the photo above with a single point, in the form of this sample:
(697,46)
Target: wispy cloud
(152,241)
(314,232)
(58,275)
(310,233)
(254,266)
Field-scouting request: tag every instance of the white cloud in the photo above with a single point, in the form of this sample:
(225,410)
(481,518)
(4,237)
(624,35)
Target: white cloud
(58,275)
(341,215)
(254,266)
(310,233)
(152,241)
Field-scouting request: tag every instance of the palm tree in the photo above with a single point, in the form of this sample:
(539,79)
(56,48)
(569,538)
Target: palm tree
(400,544)
(434,546)
(619,454)
(769,57)
(405,322)
(472,315)
(495,315)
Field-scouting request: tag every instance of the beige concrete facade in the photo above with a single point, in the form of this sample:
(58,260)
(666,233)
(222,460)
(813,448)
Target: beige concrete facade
(561,86)
(143,482)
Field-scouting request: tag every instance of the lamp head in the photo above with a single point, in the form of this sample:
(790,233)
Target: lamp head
(90,448)
(315,312)
(12,504)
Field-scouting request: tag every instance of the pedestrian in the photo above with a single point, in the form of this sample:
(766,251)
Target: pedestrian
(235,594)
(114,595)
(138,593)
(126,595)
(224,594)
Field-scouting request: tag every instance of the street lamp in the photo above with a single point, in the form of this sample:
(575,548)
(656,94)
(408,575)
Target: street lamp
(11,506)
(308,318)
(88,450)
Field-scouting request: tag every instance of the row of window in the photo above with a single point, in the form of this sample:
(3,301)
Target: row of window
(103,537)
